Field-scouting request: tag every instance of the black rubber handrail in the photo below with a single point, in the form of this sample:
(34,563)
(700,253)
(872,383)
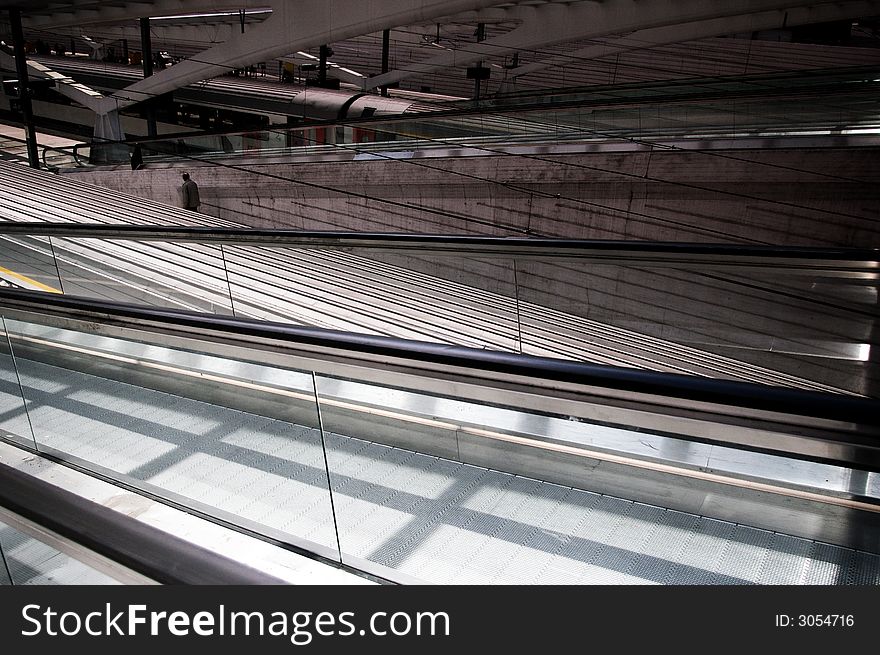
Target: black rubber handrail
(862,257)
(133,544)
(541,371)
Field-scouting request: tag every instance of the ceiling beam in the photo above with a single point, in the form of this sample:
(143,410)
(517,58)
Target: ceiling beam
(650,38)
(554,23)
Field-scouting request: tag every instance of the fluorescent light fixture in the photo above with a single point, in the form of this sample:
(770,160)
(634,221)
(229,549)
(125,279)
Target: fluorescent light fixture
(865,130)
(348,70)
(215,14)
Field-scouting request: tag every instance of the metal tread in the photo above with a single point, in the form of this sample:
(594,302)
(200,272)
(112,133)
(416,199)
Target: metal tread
(425,517)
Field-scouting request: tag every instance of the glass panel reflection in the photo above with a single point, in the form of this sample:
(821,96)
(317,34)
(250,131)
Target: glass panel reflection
(28,561)
(28,262)
(452,298)
(423,297)
(235,439)
(5,576)
(185,276)
(451,491)
(798,329)
(14,424)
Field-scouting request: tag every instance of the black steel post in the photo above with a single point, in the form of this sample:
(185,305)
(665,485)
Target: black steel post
(481,34)
(27,115)
(146,47)
(147,58)
(322,66)
(386,46)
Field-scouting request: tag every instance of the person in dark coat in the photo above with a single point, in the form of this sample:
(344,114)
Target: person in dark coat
(190,193)
(137,158)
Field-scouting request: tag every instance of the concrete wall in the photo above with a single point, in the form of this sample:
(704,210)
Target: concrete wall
(821,197)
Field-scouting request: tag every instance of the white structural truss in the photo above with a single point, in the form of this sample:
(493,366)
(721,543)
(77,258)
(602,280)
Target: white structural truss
(291,26)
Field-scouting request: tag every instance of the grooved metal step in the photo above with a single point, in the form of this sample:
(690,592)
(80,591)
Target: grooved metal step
(421,516)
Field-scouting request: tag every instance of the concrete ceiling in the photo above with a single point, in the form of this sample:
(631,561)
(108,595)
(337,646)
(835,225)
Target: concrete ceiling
(533,26)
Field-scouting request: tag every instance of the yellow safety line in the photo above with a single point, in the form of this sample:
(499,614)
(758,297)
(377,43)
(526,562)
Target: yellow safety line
(27,280)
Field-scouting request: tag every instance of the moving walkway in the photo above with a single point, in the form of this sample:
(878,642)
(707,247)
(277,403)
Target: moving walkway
(418,462)
(414,459)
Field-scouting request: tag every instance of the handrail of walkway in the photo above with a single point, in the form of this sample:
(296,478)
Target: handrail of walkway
(826,422)
(855,259)
(129,543)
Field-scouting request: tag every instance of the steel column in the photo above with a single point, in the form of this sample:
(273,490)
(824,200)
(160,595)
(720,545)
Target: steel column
(27,115)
